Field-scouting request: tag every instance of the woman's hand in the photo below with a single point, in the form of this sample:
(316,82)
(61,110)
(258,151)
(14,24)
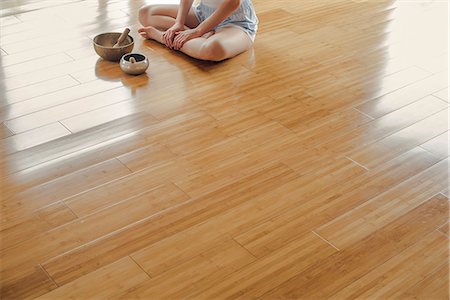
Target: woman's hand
(169,35)
(184,36)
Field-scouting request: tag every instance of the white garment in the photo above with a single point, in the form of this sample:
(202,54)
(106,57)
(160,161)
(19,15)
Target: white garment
(243,18)
(212,3)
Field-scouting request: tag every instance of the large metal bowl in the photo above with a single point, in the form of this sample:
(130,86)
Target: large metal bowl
(103,45)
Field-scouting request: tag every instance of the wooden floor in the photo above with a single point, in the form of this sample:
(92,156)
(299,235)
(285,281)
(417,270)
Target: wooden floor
(314,166)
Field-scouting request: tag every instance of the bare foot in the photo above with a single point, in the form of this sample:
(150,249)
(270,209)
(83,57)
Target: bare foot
(150,33)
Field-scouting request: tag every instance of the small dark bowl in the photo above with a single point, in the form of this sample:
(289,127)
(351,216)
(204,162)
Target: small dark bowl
(137,68)
(103,45)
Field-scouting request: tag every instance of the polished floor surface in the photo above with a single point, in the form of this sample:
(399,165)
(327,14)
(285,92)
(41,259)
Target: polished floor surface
(313,166)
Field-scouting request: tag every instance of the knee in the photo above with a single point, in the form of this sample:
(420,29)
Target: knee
(145,12)
(213,51)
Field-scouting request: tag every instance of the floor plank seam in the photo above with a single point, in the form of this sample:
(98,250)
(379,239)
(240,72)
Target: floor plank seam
(131,171)
(65,126)
(139,266)
(357,163)
(178,187)
(442,193)
(70,209)
(48,275)
(325,240)
(245,248)
(7,127)
(71,76)
(438,98)
(442,233)
(429,152)
(428,71)
(363,113)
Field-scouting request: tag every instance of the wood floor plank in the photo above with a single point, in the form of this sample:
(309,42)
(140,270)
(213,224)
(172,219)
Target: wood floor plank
(38,53)
(121,189)
(35,65)
(434,286)
(202,270)
(404,270)
(445,229)
(442,94)
(33,113)
(170,252)
(439,145)
(48,73)
(80,148)
(70,154)
(382,127)
(12,44)
(100,116)
(163,225)
(404,140)
(390,83)
(113,279)
(318,131)
(38,89)
(388,103)
(10,20)
(360,222)
(40,221)
(29,285)
(4,131)
(435,64)
(324,279)
(26,202)
(57,242)
(254,278)
(331,201)
(32,138)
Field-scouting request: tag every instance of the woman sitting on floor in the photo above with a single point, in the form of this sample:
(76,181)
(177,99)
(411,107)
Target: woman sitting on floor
(212,30)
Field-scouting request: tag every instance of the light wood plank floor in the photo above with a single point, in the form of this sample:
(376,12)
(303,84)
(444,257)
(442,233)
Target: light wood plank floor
(313,166)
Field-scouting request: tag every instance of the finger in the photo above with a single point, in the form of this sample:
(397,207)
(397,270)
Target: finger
(178,40)
(141,29)
(175,43)
(168,42)
(170,36)
(181,44)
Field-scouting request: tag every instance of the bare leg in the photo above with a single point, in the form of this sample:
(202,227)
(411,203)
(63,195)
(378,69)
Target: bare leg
(227,42)
(163,16)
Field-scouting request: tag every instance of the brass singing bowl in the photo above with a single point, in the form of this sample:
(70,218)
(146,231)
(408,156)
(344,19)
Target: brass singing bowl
(103,45)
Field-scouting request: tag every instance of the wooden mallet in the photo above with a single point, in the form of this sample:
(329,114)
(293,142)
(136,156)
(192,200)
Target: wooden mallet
(122,38)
